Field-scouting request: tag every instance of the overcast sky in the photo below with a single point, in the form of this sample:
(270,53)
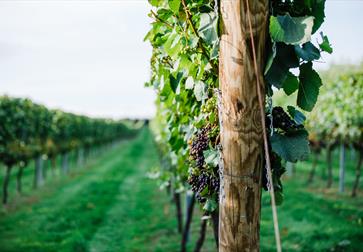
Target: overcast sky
(89,56)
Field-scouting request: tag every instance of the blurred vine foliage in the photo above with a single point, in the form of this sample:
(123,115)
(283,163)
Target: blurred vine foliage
(29,130)
(185,36)
(339,114)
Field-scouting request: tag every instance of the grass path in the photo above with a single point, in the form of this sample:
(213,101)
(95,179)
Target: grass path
(111,206)
(108,207)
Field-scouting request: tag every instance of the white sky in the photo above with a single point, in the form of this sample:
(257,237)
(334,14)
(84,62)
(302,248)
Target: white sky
(89,56)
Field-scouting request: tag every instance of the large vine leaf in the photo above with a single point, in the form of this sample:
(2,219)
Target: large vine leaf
(292,147)
(172,45)
(211,157)
(210,205)
(307,52)
(310,83)
(155,3)
(175,80)
(189,83)
(208,27)
(174,5)
(291,30)
(270,58)
(284,60)
(200,91)
(291,84)
(317,10)
(298,116)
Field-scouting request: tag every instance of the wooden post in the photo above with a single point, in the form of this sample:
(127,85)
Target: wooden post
(342,168)
(18,179)
(65,166)
(80,159)
(357,174)
(330,165)
(189,207)
(6,183)
(241,129)
(38,172)
(313,168)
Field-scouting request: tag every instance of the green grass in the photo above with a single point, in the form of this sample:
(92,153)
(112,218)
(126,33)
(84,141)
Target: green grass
(111,205)
(313,218)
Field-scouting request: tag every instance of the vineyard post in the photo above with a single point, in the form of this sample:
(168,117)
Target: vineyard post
(80,159)
(53,164)
(241,129)
(357,174)
(313,167)
(330,165)
(65,163)
(189,207)
(18,178)
(38,172)
(6,183)
(342,168)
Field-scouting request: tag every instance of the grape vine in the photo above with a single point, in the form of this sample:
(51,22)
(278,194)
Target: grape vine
(29,130)
(185,40)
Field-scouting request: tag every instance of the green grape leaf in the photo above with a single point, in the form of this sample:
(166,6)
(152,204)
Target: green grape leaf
(284,60)
(211,157)
(310,83)
(200,91)
(318,11)
(291,30)
(297,115)
(189,83)
(164,14)
(175,80)
(210,205)
(291,147)
(325,45)
(155,3)
(172,45)
(291,84)
(270,58)
(174,5)
(208,27)
(165,90)
(307,52)
(204,192)
(215,50)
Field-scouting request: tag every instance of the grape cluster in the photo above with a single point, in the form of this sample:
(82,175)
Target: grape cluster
(202,181)
(210,106)
(283,121)
(199,144)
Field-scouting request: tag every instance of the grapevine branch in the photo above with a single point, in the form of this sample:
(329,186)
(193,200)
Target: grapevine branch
(161,20)
(200,45)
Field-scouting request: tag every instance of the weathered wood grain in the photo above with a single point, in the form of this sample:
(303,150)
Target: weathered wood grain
(241,135)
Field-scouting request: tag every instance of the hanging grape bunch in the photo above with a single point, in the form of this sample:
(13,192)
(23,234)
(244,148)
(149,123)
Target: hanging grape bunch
(198,146)
(203,177)
(281,120)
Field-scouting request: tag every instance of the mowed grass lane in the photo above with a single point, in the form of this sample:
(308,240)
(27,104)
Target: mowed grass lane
(111,206)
